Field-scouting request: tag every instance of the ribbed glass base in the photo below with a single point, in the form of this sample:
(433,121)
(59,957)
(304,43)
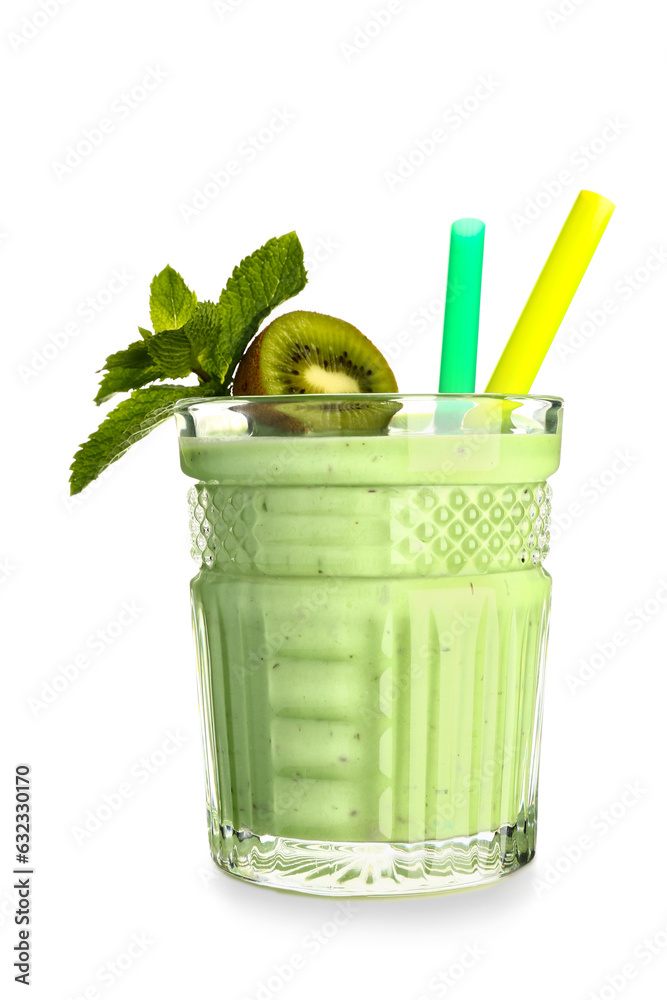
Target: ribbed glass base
(375,869)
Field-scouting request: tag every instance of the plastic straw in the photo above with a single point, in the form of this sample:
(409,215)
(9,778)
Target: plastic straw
(464,287)
(552,295)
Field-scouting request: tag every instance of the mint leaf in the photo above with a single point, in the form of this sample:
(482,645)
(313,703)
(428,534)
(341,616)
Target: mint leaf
(135,354)
(132,420)
(124,379)
(171,351)
(146,334)
(128,369)
(171,303)
(203,329)
(261,282)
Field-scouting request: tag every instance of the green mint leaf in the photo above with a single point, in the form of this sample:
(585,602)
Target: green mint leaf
(131,420)
(271,275)
(128,369)
(203,329)
(171,351)
(146,334)
(124,379)
(136,354)
(171,303)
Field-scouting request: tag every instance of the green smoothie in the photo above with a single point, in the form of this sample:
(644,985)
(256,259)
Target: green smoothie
(371,609)
(371,617)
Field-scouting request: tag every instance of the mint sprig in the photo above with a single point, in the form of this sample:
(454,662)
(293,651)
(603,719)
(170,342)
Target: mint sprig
(206,339)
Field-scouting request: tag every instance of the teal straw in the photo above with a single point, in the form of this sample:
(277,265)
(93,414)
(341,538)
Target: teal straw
(464,287)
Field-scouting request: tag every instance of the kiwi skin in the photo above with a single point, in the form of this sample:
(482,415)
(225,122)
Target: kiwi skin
(248,378)
(268,418)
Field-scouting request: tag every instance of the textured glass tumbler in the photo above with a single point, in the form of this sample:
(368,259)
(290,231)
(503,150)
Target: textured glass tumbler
(371,619)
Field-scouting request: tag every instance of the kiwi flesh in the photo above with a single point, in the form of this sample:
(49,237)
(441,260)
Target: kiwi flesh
(303,353)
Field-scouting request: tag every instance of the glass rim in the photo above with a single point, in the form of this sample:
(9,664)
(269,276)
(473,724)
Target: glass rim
(555,402)
(392,414)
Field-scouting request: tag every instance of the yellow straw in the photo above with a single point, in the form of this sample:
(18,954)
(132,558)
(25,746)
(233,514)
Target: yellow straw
(552,295)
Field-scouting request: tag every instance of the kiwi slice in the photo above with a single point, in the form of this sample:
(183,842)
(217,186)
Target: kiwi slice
(307,352)
(302,353)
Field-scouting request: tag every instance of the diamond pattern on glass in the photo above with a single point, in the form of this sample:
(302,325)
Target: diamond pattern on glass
(476,529)
(448,530)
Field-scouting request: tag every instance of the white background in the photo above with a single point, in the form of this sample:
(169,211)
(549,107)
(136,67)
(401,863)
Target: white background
(572,918)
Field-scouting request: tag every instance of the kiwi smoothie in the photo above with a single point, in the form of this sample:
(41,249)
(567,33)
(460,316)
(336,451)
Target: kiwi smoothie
(371,617)
(371,610)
